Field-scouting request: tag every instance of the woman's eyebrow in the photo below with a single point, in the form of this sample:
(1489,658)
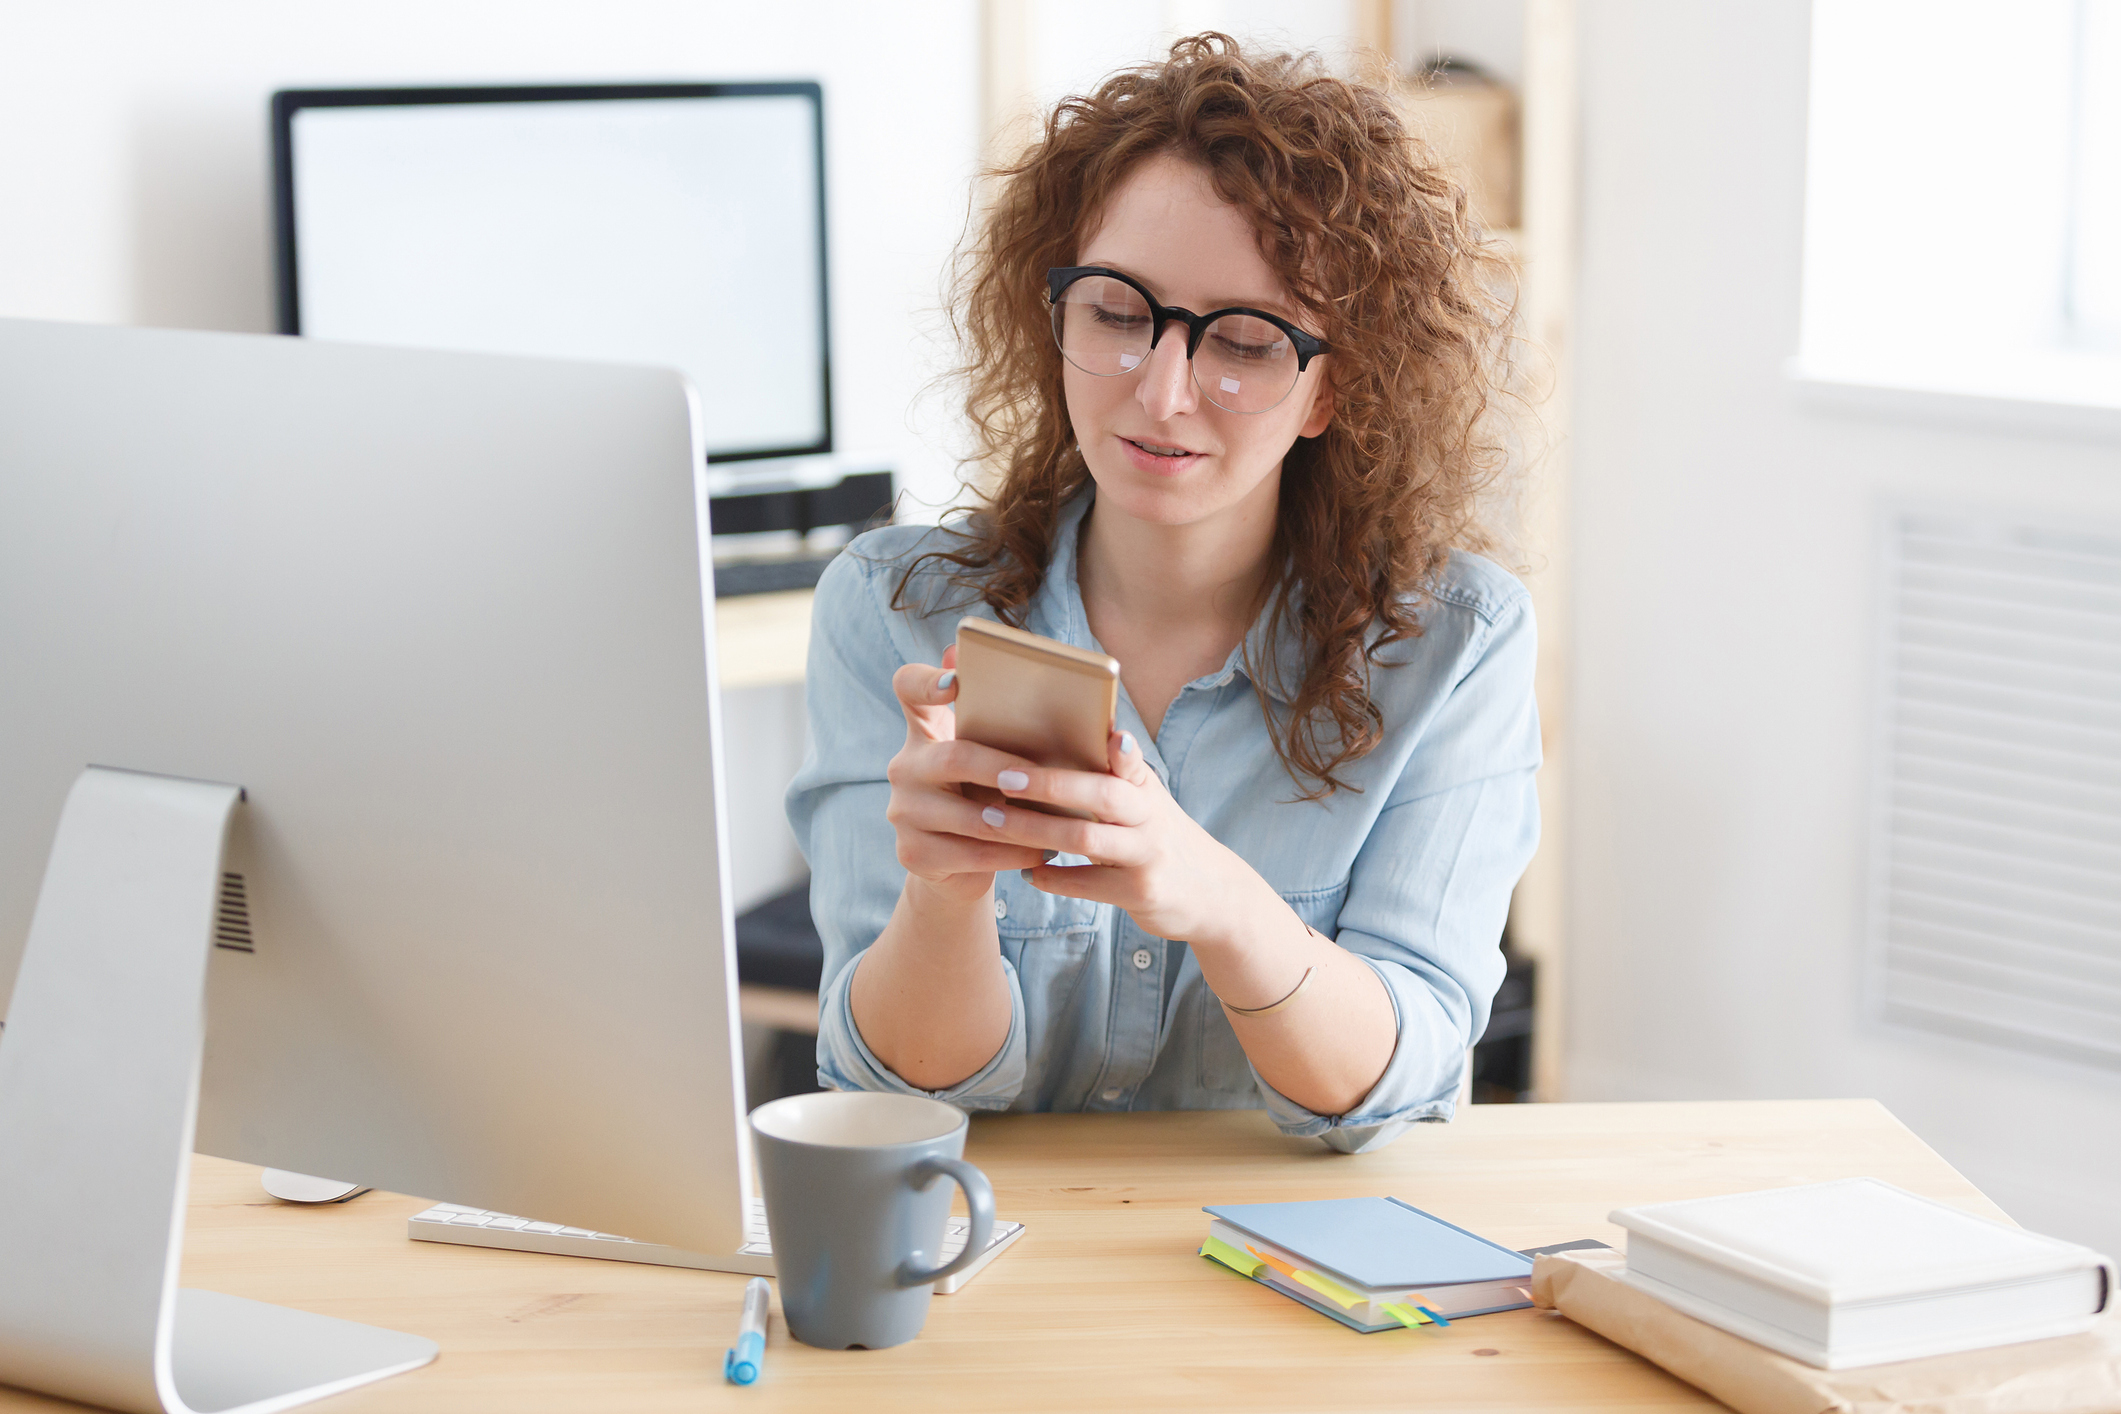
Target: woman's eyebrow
(1271,306)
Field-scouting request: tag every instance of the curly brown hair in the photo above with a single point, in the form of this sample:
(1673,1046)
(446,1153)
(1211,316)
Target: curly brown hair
(1374,242)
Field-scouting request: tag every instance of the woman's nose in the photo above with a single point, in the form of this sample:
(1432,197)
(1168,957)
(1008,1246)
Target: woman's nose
(1167,383)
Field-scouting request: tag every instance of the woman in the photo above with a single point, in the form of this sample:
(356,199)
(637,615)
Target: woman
(1232,350)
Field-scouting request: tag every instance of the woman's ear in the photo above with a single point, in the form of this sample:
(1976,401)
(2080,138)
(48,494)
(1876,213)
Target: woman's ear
(1321,414)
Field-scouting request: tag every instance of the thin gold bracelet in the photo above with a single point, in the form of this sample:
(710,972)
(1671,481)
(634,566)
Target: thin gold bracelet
(1297,991)
(1294,992)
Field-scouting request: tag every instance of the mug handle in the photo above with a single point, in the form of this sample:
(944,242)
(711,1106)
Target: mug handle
(979,1197)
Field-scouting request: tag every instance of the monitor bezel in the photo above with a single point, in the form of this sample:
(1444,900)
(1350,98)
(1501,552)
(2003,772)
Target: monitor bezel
(286,103)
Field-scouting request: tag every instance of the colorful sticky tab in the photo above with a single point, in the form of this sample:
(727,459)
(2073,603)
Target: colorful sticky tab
(1331,1290)
(1408,1316)
(1241,1263)
(1275,1262)
(1432,1315)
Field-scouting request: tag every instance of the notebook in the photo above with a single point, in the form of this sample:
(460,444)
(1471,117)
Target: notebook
(1373,1264)
(1858,1272)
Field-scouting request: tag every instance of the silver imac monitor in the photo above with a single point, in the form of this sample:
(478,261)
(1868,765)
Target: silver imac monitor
(366,696)
(673,224)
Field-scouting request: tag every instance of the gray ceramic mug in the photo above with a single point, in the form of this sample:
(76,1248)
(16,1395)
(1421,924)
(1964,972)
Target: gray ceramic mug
(857,1212)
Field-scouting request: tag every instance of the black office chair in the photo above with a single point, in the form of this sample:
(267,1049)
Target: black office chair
(777,946)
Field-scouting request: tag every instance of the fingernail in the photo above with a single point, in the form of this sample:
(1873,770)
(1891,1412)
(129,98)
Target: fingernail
(1012,780)
(1126,744)
(993,816)
(1051,855)
(1025,875)
(946,681)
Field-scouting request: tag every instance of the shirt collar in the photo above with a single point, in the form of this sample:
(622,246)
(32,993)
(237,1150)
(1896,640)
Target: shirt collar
(1057,608)
(1057,612)
(1277,647)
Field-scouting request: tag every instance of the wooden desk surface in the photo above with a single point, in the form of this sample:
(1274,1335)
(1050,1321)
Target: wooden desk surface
(1102,1305)
(762,640)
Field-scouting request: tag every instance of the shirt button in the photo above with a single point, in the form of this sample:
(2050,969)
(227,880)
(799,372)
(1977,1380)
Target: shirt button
(1112,1094)
(1142,959)
(1001,909)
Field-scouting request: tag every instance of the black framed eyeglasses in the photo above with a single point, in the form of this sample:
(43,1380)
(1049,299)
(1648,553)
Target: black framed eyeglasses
(1243,360)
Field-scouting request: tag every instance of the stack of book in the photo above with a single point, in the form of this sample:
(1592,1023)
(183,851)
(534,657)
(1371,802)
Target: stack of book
(1375,1264)
(1858,1272)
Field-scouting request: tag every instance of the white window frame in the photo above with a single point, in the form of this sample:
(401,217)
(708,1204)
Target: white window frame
(1962,256)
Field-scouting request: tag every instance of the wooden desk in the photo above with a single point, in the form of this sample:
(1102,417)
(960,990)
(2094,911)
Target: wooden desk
(762,640)
(1102,1305)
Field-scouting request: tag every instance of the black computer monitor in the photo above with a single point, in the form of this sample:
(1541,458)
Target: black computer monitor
(677,224)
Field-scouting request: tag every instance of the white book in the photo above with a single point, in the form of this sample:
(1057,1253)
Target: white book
(1858,1272)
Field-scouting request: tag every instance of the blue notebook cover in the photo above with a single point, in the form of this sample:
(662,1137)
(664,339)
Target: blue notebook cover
(1376,1242)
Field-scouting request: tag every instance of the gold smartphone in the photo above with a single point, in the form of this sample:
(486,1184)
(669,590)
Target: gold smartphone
(1036,698)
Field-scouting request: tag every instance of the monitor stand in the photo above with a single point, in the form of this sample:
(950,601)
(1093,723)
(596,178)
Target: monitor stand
(99,1093)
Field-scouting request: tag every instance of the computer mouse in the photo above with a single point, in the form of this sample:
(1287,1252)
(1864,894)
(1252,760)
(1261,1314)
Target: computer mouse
(302,1188)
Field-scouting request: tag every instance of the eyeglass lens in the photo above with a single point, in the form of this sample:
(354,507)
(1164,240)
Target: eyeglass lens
(1104,327)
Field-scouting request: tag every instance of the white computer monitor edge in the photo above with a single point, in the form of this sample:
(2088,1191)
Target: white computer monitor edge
(445,621)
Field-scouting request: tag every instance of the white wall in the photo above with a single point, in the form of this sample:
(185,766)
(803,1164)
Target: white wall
(133,149)
(1724,553)
(134,162)
(1070,46)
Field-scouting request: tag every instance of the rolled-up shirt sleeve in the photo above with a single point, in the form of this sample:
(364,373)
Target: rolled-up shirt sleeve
(1431,884)
(836,806)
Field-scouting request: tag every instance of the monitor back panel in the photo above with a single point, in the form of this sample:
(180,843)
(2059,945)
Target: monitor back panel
(443,617)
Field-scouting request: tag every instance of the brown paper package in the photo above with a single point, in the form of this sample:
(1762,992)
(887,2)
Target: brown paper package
(2076,1374)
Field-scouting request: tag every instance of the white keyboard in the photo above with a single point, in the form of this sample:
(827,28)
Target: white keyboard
(476,1227)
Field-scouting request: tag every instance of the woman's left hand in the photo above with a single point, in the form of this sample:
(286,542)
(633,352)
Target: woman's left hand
(1147,855)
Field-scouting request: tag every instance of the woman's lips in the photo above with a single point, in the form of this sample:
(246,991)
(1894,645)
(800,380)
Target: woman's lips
(1155,463)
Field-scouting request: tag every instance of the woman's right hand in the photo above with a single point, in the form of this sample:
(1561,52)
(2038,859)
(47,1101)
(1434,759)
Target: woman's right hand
(942,838)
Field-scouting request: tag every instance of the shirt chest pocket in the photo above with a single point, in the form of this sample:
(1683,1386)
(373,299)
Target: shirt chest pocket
(1021,911)
(1224,1067)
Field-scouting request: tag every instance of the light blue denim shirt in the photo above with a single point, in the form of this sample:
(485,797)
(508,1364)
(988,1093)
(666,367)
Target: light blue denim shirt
(1412,872)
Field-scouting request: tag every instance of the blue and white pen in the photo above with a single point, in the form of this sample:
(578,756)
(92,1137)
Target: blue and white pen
(741,1366)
